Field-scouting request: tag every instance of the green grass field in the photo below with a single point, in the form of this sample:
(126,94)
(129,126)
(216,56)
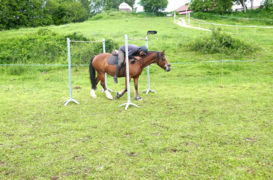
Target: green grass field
(208,120)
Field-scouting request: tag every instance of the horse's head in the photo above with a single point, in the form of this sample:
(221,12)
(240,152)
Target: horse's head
(162,61)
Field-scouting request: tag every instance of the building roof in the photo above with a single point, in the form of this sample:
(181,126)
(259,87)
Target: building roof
(183,8)
(124,6)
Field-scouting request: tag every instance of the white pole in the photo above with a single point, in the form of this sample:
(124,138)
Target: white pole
(127,77)
(187,16)
(69,67)
(148,72)
(127,70)
(69,73)
(148,69)
(105,75)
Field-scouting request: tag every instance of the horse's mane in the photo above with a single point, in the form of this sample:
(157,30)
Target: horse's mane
(152,52)
(149,53)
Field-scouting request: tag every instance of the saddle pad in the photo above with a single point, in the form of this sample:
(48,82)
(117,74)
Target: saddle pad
(113,60)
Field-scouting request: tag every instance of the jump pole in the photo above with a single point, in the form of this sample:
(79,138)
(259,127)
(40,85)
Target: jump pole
(127,77)
(70,78)
(105,76)
(148,73)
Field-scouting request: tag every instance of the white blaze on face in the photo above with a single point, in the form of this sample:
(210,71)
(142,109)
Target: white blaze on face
(167,67)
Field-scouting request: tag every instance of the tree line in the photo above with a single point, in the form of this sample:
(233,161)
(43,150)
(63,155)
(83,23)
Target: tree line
(32,13)
(223,6)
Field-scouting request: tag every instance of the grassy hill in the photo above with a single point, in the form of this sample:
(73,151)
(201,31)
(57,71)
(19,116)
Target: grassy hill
(209,119)
(170,37)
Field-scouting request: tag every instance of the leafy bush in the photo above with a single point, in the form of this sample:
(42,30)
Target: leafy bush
(45,46)
(201,15)
(25,13)
(220,42)
(119,15)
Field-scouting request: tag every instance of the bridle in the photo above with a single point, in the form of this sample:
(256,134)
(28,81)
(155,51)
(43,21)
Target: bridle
(158,57)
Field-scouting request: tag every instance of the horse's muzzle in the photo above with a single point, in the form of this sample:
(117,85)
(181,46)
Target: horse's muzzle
(167,67)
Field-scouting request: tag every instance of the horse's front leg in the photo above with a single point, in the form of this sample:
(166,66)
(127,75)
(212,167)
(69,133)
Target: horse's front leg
(137,97)
(120,94)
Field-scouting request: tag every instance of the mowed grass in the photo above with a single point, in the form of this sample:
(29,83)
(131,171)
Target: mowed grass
(200,124)
(206,121)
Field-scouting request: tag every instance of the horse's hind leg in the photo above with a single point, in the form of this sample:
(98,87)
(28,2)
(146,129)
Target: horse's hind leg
(92,92)
(102,82)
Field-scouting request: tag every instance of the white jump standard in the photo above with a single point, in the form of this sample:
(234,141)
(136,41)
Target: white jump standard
(69,69)
(148,73)
(127,77)
(70,78)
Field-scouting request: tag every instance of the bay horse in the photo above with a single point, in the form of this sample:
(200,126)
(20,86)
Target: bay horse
(99,64)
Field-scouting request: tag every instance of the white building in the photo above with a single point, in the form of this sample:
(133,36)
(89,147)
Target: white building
(125,7)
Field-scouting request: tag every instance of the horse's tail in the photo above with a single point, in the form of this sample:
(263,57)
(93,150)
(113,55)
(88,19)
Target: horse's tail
(92,73)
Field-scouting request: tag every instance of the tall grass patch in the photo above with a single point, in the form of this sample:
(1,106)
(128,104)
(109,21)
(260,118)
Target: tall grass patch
(220,42)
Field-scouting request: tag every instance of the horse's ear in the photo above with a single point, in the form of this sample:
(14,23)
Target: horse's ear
(163,52)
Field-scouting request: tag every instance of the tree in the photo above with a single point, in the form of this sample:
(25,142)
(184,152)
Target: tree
(242,2)
(16,13)
(86,5)
(96,6)
(268,4)
(154,6)
(218,6)
(252,1)
(32,13)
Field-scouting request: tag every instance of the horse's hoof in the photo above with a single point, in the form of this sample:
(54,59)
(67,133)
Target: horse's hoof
(118,95)
(108,95)
(93,94)
(138,98)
